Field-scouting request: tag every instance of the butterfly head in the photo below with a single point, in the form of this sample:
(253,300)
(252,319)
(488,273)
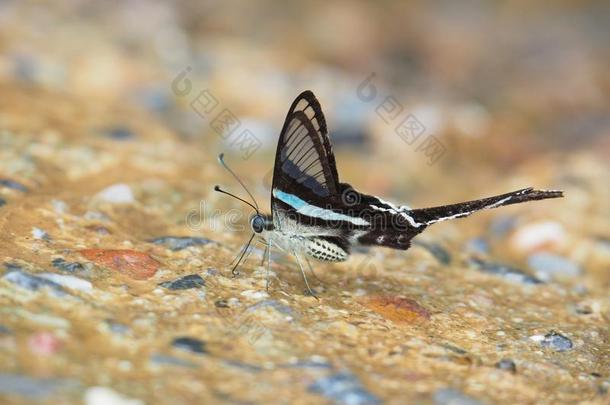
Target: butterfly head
(257,223)
(260,223)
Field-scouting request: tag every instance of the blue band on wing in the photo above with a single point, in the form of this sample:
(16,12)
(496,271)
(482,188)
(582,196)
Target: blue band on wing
(303,207)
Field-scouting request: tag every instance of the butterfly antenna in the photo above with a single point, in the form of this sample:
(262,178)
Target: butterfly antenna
(222,162)
(217,188)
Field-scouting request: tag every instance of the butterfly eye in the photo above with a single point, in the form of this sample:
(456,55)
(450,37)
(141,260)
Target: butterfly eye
(257,223)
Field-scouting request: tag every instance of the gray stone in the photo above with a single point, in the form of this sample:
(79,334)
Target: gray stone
(279,307)
(507,364)
(184,283)
(13,185)
(117,327)
(176,243)
(119,133)
(556,341)
(549,266)
(439,252)
(32,282)
(69,267)
(505,271)
(189,344)
(450,396)
(30,387)
(343,388)
(165,360)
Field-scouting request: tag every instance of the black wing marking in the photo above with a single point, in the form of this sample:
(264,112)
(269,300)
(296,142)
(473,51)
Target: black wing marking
(304,162)
(395,226)
(464,209)
(309,105)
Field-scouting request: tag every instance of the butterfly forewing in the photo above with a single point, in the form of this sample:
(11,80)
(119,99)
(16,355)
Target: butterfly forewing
(304,162)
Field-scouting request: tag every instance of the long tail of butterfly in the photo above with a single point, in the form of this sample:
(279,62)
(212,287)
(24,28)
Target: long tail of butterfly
(444,212)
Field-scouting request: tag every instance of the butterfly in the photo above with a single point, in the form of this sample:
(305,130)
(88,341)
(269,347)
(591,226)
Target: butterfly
(314,215)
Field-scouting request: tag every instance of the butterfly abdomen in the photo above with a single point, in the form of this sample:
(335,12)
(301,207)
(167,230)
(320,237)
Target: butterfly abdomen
(326,250)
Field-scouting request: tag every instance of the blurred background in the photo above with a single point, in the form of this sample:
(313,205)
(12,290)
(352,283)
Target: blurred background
(496,83)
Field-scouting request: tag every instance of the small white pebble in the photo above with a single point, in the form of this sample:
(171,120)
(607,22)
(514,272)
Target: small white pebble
(108,396)
(71,282)
(125,365)
(59,206)
(117,194)
(538,234)
(39,234)
(255,295)
(537,338)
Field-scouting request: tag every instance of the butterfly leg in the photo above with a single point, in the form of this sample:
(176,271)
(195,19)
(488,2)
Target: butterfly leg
(240,256)
(304,276)
(313,273)
(265,253)
(268,250)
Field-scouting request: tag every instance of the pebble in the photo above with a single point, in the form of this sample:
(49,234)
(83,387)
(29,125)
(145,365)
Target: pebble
(222,304)
(35,388)
(320,363)
(40,234)
(165,360)
(117,327)
(555,341)
(108,396)
(255,295)
(70,282)
(13,185)
(343,388)
(478,246)
(508,272)
(397,309)
(154,98)
(12,266)
(119,133)
(2,202)
(451,396)
(538,235)
(44,343)
(279,307)
(32,282)
(70,267)
(176,243)
(47,321)
(4,330)
(117,194)
(136,265)
(184,283)
(550,266)
(507,364)
(189,344)
(59,206)
(439,252)
(252,368)
(501,225)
